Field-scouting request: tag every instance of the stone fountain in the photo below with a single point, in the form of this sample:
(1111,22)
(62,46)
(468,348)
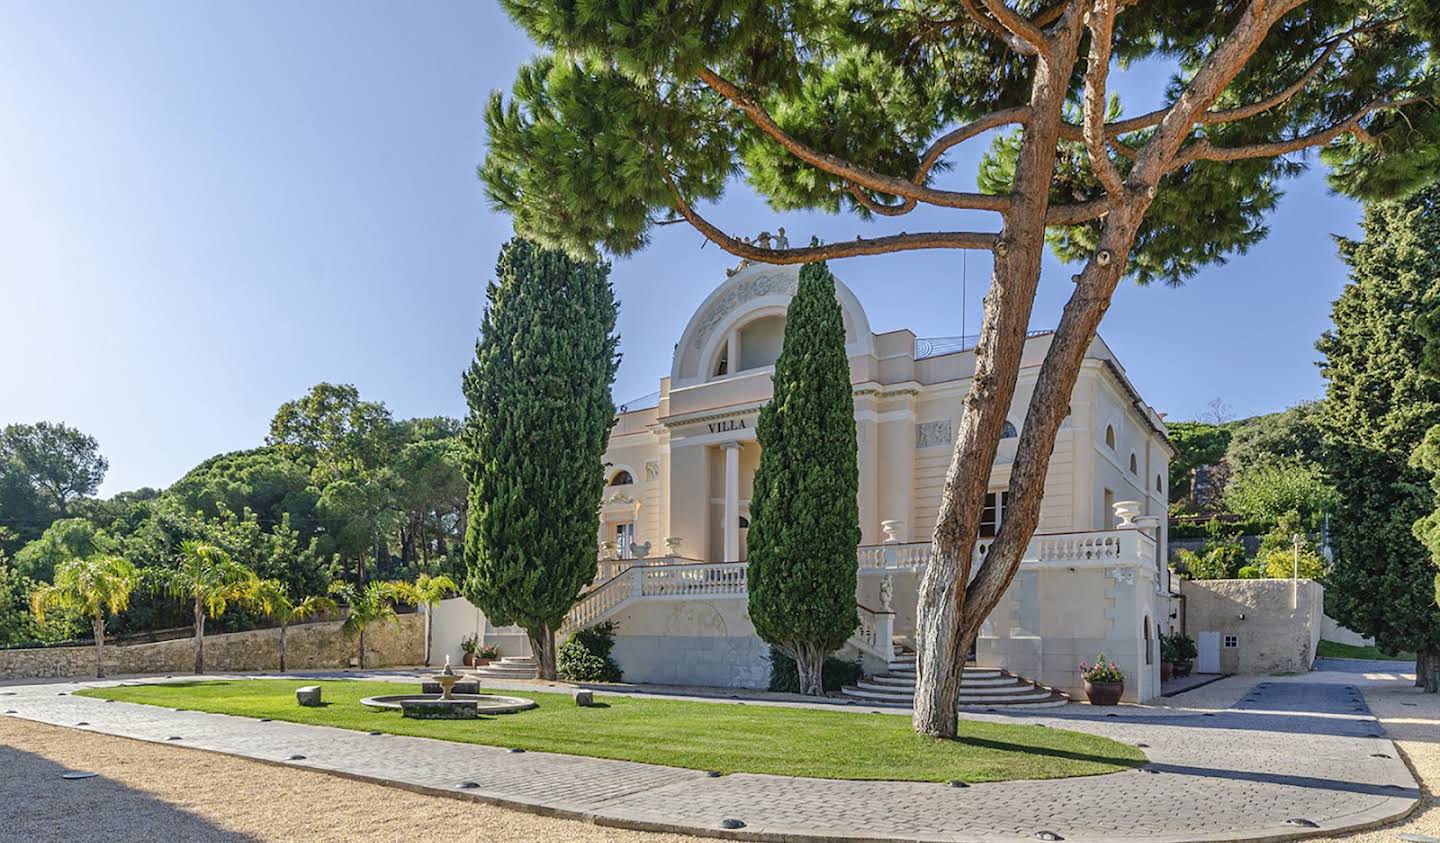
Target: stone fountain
(448,705)
(446,679)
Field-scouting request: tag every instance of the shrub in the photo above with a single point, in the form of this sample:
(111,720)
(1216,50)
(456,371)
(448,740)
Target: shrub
(1249,572)
(1101,671)
(585,655)
(1177,648)
(835,674)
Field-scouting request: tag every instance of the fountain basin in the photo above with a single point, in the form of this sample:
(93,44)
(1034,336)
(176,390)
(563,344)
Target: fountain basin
(458,707)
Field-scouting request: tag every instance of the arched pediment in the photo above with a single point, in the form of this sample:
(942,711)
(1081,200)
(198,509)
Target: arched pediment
(754,292)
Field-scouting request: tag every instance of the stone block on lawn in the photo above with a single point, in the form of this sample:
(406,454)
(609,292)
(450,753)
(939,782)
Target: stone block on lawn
(583,697)
(308,695)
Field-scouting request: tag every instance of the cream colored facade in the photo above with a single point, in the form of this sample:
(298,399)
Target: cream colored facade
(679,478)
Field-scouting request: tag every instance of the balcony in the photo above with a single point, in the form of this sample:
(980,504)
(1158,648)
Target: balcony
(1096,548)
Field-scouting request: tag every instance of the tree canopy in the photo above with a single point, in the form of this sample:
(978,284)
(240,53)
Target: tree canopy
(1379,406)
(805,519)
(540,419)
(58,462)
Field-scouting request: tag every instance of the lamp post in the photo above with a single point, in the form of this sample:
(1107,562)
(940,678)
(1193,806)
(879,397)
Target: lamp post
(1295,572)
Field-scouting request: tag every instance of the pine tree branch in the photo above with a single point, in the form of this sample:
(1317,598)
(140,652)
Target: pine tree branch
(995,28)
(837,166)
(1070,131)
(1223,64)
(936,151)
(1075,213)
(902,242)
(1203,150)
(1019,26)
(1101,23)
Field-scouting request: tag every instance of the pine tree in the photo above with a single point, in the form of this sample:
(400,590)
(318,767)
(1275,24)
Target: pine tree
(1379,405)
(805,520)
(540,418)
(633,116)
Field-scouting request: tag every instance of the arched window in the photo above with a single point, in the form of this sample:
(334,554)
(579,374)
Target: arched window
(1008,431)
(1159,483)
(1149,643)
(1110,435)
(621,478)
(1134,465)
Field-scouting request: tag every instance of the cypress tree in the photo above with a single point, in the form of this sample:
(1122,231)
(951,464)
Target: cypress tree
(805,522)
(1379,405)
(540,418)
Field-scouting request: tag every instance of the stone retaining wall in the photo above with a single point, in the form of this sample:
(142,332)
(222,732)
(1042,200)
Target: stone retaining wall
(308,646)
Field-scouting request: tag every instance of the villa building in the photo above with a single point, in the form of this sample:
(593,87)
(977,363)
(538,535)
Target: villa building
(675,512)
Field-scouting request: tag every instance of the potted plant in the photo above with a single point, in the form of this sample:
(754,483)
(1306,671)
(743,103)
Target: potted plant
(486,654)
(1167,657)
(468,645)
(1183,653)
(1104,681)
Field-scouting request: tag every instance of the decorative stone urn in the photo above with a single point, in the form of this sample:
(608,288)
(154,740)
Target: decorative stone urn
(609,550)
(1126,512)
(1104,693)
(672,545)
(892,528)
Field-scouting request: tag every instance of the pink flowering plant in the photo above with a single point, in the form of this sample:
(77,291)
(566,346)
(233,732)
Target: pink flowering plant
(1101,671)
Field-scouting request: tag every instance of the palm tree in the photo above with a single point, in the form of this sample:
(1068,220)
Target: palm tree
(91,587)
(273,599)
(375,603)
(427,591)
(210,580)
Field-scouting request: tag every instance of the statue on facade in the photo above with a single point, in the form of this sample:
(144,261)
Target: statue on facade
(887,592)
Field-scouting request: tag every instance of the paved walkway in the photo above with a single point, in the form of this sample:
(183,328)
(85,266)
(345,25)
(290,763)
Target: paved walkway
(1288,754)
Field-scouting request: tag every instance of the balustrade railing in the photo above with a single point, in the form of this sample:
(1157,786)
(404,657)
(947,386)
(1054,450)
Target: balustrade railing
(688,580)
(599,602)
(1094,546)
(876,633)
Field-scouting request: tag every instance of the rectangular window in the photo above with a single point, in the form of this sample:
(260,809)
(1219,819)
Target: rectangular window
(1232,641)
(624,537)
(993,514)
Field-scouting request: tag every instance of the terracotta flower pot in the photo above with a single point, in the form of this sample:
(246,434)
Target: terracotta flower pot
(1167,670)
(1104,693)
(1184,668)
(469,660)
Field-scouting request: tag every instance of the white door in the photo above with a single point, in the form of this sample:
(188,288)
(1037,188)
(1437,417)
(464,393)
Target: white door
(1209,653)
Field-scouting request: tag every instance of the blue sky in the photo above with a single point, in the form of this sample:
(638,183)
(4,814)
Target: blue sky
(206,208)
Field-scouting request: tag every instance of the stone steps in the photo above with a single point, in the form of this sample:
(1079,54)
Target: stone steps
(981,688)
(509,667)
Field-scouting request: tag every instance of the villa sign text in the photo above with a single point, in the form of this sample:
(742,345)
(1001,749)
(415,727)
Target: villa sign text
(727,425)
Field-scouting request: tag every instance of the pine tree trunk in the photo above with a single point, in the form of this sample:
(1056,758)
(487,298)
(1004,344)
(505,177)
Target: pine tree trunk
(282,646)
(542,646)
(1427,670)
(98,624)
(942,609)
(199,637)
(362,648)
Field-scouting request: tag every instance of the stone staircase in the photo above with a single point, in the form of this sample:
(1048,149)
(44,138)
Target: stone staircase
(982,688)
(509,667)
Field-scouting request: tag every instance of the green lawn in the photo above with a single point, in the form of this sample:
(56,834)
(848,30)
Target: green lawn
(1335,650)
(702,736)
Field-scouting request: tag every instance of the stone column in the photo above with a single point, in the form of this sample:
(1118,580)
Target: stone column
(732,502)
